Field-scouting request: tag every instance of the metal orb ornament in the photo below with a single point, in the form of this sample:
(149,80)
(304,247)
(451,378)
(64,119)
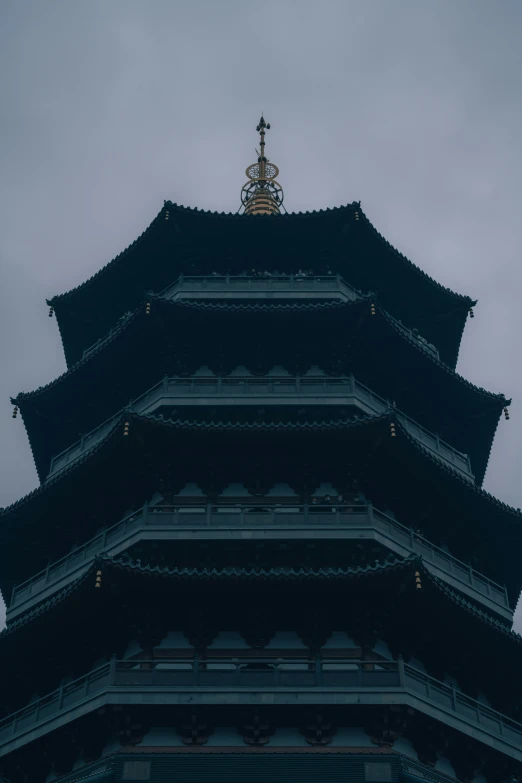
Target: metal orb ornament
(262,194)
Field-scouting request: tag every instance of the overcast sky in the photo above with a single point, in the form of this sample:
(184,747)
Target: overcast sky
(108,107)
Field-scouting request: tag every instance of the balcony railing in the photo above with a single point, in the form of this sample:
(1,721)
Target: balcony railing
(320,287)
(270,390)
(272,286)
(344,521)
(413,334)
(250,680)
(276,286)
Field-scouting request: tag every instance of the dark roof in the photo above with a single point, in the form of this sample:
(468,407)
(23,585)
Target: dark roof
(192,237)
(101,383)
(127,564)
(412,562)
(463,617)
(397,473)
(188,574)
(473,610)
(257,574)
(73,611)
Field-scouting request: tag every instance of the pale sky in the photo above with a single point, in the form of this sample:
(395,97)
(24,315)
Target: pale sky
(108,107)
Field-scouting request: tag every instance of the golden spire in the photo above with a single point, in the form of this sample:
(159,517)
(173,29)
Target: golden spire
(262,195)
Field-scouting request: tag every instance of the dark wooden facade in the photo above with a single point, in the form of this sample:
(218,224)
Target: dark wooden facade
(260,547)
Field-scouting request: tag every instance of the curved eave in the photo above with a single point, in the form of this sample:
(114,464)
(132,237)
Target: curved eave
(119,284)
(194,575)
(267,308)
(411,563)
(458,299)
(428,356)
(180,211)
(471,609)
(114,570)
(118,261)
(446,306)
(33,404)
(68,305)
(496,401)
(92,307)
(431,613)
(493,520)
(183,425)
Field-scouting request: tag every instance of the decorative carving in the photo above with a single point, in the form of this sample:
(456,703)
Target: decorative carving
(386,725)
(316,632)
(194,730)
(256,729)
(202,629)
(258,483)
(213,485)
(318,729)
(258,632)
(131,731)
(120,722)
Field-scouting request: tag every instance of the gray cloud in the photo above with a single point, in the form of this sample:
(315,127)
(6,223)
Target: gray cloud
(108,107)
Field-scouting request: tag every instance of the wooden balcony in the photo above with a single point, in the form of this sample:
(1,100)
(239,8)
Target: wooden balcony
(270,391)
(249,681)
(262,286)
(260,521)
(267,288)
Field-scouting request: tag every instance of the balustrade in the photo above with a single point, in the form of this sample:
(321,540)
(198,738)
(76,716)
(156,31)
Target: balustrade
(274,286)
(355,520)
(344,390)
(234,285)
(346,681)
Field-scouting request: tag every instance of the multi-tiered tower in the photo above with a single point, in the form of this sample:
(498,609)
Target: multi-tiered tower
(260,549)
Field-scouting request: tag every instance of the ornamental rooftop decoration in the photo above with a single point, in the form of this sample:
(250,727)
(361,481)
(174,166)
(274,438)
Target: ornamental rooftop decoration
(262,195)
(260,548)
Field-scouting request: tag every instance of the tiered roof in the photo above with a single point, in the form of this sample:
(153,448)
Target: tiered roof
(415,621)
(179,239)
(122,366)
(394,471)
(121,334)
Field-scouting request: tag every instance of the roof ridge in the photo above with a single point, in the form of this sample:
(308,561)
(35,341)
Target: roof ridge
(436,360)
(417,269)
(235,215)
(44,605)
(197,424)
(187,423)
(179,208)
(301,305)
(335,424)
(126,561)
(53,300)
(472,609)
(123,323)
(183,209)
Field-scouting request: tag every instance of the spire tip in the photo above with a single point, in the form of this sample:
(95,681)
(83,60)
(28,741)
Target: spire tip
(262,195)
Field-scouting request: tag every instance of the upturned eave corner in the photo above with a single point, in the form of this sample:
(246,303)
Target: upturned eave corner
(464,299)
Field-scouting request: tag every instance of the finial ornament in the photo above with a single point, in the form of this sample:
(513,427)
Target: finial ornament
(262,195)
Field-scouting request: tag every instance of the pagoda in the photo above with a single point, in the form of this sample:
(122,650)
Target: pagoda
(260,549)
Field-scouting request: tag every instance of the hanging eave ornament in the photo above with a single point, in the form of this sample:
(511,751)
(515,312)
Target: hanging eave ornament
(262,194)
